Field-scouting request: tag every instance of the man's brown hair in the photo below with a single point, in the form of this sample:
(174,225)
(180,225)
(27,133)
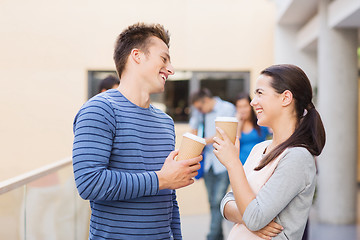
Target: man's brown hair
(137,36)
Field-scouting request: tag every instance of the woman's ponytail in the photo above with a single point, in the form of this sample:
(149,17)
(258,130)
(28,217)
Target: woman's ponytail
(314,127)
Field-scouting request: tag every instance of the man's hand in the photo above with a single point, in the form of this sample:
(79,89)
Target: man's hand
(177,174)
(209,140)
(269,231)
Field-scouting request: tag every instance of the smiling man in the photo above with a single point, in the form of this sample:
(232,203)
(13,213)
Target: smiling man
(123,152)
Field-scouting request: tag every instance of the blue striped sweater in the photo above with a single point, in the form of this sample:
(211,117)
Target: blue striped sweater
(117,148)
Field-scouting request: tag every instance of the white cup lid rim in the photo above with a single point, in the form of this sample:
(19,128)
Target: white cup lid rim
(226,119)
(194,137)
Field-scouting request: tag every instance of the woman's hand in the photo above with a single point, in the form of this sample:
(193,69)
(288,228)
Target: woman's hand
(269,231)
(240,124)
(225,150)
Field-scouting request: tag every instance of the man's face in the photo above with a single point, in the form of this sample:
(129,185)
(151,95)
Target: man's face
(203,105)
(156,66)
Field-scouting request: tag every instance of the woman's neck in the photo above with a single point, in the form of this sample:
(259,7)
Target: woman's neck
(282,131)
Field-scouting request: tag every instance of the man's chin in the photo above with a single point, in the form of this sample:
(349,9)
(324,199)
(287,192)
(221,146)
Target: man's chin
(159,90)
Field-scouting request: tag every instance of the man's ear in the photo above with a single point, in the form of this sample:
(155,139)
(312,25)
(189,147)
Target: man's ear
(135,55)
(287,98)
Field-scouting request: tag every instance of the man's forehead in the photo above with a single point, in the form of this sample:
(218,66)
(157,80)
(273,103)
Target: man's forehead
(158,42)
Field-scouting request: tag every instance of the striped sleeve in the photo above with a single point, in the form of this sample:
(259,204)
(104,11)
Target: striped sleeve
(94,130)
(175,223)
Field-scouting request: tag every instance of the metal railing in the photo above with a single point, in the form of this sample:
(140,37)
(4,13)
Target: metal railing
(43,204)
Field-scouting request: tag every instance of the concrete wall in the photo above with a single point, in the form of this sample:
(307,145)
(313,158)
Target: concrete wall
(324,43)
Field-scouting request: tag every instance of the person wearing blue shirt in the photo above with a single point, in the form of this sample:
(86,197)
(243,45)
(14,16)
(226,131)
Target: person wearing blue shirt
(123,151)
(249,132)
(206,109)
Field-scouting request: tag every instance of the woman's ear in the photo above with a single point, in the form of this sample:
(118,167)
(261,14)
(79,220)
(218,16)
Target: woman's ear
(287,98)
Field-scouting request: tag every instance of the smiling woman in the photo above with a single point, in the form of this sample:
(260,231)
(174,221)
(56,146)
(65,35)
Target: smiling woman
(279,208)
(249,132)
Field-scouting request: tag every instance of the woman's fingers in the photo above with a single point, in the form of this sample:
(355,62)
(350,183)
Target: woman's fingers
(259,234)
(268,232)
(275,227)
(218,140)
(215,145)
(223,134)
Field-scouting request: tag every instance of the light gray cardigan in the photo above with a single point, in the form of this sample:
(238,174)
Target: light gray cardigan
(286,196)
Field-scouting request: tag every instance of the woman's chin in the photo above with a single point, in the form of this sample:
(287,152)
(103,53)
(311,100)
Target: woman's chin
(261,122)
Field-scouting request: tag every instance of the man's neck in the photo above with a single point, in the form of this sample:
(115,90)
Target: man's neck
(134,93)
(213,103)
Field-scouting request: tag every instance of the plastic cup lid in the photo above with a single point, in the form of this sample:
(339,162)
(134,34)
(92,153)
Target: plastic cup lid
(226,119)
(194,137)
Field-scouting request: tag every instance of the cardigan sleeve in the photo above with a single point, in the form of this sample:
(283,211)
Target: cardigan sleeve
(289,178)
(227,198)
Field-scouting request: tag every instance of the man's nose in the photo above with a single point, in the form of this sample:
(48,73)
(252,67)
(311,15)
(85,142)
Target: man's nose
(170,69)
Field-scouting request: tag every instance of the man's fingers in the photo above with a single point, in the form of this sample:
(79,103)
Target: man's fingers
(173,154)
(193,174)
(192,161)
(195,167)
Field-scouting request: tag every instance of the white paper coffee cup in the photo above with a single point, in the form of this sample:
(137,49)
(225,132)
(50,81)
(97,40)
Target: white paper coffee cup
(228,125)
(191,146)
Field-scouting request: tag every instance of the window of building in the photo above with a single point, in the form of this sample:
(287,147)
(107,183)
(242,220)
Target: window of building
(175,99)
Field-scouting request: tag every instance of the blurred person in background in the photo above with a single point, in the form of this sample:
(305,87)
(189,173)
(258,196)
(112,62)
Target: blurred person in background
(110,82)
(123,151)
(249,132)
(272,194)
(206,109)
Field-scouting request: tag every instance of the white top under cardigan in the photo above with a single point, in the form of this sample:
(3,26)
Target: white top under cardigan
(284,190)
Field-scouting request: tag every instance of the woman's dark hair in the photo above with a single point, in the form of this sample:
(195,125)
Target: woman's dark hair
(253,118)
(309,132)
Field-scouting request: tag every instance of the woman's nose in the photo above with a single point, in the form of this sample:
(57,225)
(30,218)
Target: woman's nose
(253,102)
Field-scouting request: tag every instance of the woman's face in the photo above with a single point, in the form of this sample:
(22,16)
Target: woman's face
(267,103)
(243,109)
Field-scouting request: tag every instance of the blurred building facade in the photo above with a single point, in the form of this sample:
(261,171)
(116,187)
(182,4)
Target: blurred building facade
(51,52)
(322,36)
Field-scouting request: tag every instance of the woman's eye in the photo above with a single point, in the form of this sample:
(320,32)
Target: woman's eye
(163,59)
